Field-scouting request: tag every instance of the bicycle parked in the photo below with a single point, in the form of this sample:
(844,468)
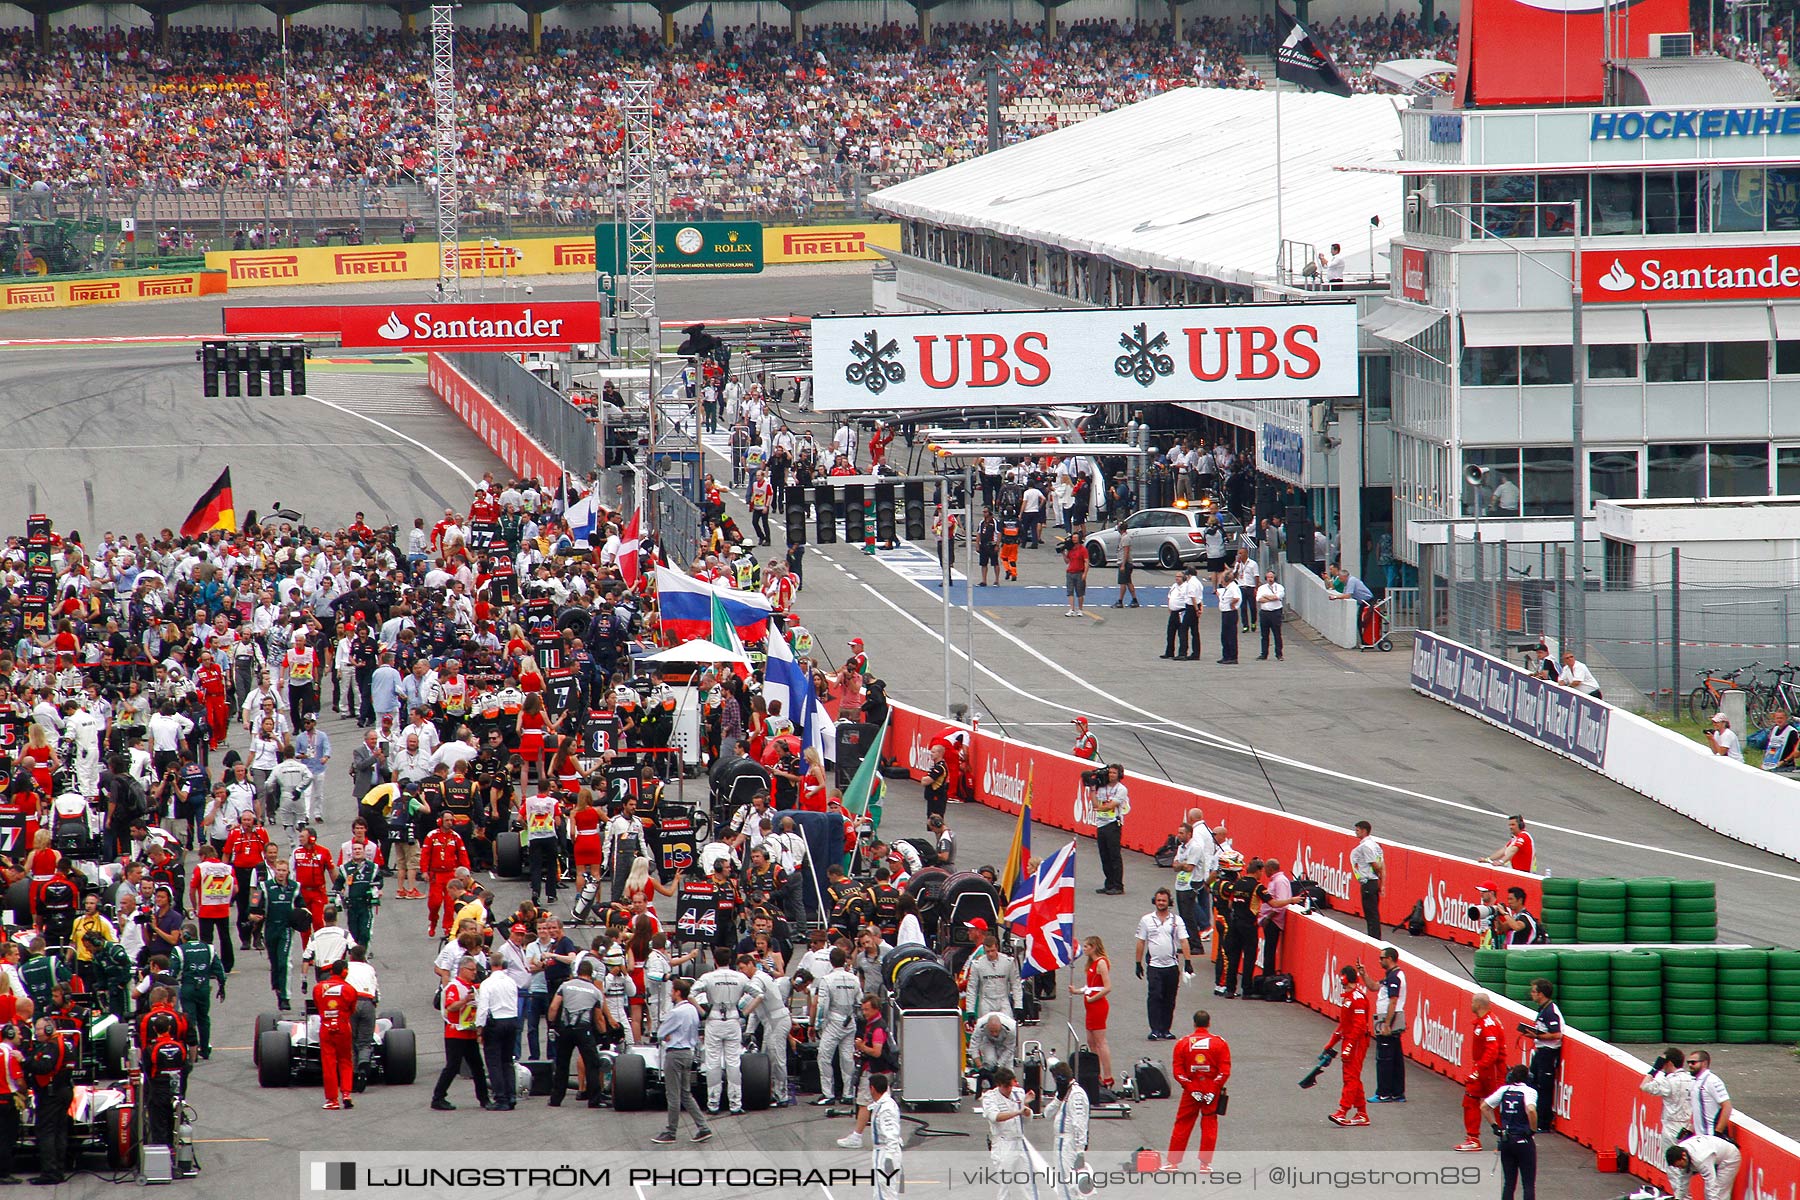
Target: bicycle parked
(1782,694)
(1705,700)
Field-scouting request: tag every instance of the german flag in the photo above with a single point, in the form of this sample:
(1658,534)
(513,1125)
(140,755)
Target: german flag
(213,510)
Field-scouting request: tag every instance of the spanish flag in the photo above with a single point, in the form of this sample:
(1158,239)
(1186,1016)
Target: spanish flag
(213,510)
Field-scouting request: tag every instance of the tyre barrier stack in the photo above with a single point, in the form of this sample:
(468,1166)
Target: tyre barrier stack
(1656,910)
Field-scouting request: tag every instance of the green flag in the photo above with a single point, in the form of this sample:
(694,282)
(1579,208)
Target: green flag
(724,634)
(867,786)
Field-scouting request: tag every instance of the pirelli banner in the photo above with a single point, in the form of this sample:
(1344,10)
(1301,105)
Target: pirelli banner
(1086,356)
(784,244)
(571,255)
(110,289)
(412,260)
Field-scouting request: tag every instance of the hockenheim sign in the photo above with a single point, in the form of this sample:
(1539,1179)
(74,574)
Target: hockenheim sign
(1085,356)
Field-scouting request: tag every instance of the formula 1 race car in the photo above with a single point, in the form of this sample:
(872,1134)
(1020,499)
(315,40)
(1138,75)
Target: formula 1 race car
(103,1124)
(637,1080)
(286,1050)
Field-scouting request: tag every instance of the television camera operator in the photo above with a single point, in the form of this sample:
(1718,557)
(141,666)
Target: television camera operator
(1105,803)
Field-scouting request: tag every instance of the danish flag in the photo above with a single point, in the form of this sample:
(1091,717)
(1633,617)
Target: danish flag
(1042,912)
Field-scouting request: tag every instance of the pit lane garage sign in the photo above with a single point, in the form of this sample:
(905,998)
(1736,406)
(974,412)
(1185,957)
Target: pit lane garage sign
(527,326)
(1087,356)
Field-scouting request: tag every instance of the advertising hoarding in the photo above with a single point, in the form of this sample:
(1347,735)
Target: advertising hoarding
(1088,356)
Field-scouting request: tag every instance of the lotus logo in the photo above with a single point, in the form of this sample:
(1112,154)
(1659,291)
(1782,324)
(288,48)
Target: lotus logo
(393,330)
(1617,279)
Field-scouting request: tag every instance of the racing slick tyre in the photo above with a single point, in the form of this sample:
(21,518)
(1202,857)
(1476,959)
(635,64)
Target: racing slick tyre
(631,1083)
(264,1023)
(396,1020)
(758,1082)
(115,1055)
(274,1059)
(118,1137)
(509,855)
(399,1056)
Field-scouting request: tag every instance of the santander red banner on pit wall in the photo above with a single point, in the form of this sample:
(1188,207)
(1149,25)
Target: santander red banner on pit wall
(525,326)
(1307,849)
(1597,1101)
(489,422)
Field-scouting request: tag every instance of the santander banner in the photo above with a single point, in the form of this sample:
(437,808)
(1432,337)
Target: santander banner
(1124,355)
(1308,849)
(1507,51)
(1712,273)
(1597,1101)
(428,326)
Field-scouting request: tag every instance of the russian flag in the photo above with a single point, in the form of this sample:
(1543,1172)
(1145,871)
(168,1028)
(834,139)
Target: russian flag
(687,603)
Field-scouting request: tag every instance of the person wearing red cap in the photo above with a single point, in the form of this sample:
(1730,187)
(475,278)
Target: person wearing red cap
(858,662)
(1086,745)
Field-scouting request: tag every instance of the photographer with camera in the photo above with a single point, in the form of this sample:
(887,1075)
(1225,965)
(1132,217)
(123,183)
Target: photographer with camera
(1106,803)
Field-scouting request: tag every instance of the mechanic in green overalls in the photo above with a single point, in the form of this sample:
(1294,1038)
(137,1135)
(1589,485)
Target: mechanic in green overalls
(281,897)
(360,880)
(193,964)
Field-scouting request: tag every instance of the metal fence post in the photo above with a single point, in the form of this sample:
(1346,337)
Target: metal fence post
(1561,592)
(1655,655)
(1674,624)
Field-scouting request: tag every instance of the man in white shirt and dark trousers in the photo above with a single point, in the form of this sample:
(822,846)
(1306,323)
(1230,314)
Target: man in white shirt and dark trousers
(1367,864)
(497,1016)
(1162,939)
(1512,1108)
(1182,639)
(1271,603)
(1231,598)
(1248,576)
(1546,1056)
(1390,1027)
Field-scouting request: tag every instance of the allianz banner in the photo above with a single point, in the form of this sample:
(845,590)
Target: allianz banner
(1503,694)
(1003,769)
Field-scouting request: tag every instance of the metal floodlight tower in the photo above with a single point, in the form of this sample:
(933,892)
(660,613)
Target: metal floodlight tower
(444,146)
(636,217)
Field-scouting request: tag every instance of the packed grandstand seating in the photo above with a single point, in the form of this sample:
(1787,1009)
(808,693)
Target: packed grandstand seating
(748,124)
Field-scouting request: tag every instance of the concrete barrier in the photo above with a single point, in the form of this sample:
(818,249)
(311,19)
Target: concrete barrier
(1745,803)
(1308,599)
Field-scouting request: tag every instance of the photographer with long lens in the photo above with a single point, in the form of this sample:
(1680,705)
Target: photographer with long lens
(1106,802)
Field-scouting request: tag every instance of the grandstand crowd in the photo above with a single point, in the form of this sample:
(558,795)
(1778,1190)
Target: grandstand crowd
(748,123)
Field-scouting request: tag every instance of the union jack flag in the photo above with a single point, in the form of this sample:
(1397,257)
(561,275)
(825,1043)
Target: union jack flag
(1042,911)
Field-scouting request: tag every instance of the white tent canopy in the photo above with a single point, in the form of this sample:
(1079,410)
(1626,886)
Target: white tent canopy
(1183,182)
(696,651)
